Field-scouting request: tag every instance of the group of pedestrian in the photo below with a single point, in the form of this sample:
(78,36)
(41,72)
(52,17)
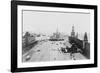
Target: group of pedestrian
(72,50)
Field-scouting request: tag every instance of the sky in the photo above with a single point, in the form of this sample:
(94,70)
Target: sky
(48,22)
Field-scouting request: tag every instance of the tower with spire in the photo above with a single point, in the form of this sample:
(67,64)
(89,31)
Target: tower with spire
(73,32)
(85,41)
(57,32)
(57,29)
(85,37)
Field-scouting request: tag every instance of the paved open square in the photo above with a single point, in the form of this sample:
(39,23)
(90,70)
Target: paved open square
(50,51)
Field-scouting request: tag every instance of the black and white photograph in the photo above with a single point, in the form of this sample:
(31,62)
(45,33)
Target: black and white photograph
(53,36)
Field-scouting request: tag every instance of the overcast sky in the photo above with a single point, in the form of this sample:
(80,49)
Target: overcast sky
(47,22)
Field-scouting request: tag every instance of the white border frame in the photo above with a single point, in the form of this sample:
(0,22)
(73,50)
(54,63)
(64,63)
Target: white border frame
(51,63)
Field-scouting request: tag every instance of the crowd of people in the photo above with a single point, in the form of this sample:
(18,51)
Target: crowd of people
(72,50)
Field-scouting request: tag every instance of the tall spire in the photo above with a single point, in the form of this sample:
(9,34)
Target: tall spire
(73,32)
(85,37)
(57,32)
(57,29)
(73,28)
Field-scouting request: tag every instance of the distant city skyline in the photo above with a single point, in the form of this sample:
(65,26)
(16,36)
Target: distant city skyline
(48,22)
